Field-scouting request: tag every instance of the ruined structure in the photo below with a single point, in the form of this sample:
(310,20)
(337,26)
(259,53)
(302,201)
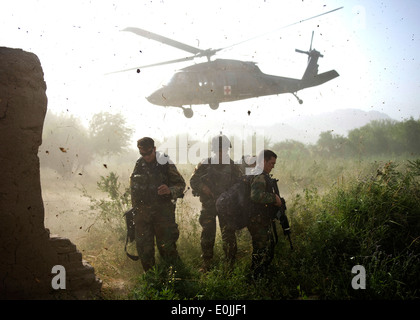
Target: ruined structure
(28,252)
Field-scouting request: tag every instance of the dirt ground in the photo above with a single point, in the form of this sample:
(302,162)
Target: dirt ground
(68,214)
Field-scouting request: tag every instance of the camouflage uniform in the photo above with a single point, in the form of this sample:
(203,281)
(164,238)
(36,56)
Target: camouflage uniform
(218,178)
(260,226)
(155,214)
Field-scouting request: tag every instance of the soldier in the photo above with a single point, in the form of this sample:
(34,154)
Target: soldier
(265,205)
(212,177)
(155,185)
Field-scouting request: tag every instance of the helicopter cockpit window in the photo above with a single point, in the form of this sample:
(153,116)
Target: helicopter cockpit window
(178,77)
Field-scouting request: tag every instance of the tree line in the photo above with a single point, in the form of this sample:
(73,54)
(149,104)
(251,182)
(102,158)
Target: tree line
(68,146)
(379,137)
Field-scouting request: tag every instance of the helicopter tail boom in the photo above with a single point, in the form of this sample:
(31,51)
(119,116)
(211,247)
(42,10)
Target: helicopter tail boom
(318,79)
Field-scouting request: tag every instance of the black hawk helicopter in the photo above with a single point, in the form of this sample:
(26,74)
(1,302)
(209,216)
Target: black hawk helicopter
(224,80)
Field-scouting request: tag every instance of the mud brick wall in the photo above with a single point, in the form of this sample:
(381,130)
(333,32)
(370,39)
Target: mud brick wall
(80,275)
(27,251)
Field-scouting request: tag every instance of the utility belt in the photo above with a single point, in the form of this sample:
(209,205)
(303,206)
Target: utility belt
(153,203)
(149,196)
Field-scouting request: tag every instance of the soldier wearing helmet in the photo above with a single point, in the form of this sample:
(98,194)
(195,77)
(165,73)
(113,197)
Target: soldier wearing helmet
(155,186)
(211,177)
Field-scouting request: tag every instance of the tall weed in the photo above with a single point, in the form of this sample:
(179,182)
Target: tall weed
(341,214)
(372,221)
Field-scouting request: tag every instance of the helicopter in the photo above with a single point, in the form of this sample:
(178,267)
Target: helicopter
(224,80)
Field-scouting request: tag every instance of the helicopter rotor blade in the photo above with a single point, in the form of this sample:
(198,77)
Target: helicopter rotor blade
(179,45)
(199,52)
(164,40)
(312,38)
(283,27)
(155,64)
(167,62)
(301,51)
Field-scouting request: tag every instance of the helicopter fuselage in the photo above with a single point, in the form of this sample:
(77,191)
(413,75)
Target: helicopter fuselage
(219,81)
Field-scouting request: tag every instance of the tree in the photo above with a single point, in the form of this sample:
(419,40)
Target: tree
(65,144)
(411,135)
(378,137)
(333,144)
(291,149)
(109,133)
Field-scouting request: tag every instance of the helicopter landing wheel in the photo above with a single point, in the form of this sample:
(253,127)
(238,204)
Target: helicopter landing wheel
(214,106)
(188,112)
(298,99)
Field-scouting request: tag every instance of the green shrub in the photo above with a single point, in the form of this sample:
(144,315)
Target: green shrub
(110,210)
(373,222)
(370,218)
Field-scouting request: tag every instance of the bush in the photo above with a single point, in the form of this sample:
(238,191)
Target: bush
(373,222)
(110,211)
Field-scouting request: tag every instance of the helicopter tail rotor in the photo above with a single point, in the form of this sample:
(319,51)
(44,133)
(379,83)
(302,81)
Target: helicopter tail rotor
(313,56)
(311,52)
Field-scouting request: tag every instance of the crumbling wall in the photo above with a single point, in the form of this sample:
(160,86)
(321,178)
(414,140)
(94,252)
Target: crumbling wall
(27,251)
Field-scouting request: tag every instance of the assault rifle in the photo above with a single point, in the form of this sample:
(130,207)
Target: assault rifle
(281,213)
(131,231)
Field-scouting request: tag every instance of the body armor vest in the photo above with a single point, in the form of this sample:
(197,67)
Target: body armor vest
(145,181)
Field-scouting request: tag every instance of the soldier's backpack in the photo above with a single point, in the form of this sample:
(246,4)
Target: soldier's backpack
(235,205)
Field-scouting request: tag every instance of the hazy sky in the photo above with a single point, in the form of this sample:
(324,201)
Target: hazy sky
(373,45)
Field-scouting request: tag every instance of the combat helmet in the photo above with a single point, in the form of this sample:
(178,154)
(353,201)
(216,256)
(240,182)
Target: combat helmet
(220,142)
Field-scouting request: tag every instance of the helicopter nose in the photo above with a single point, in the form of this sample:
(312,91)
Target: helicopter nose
(152,98)
(157,98)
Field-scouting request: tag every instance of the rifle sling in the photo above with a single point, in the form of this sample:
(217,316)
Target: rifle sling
(135,258)
(276,237)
